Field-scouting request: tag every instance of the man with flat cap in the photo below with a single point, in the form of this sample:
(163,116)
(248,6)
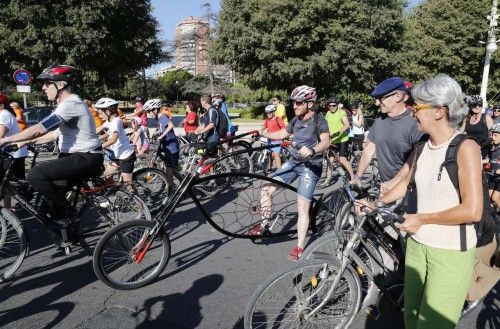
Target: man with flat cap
(392,135)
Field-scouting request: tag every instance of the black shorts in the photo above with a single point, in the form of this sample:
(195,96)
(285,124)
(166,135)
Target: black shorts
(342,149)
(494,184)
(127,165)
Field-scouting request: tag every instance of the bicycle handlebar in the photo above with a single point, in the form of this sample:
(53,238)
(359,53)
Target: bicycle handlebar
(9,148)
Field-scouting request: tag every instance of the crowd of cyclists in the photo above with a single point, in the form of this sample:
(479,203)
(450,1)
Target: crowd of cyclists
(430,114)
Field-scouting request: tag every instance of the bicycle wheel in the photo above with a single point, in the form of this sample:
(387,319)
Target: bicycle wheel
(152,186)
(331,212)
(126,206)
(331,245)
(287,297)
(213,184)
(260,161)
(241,162)
(239,206)
(13,248)
(125,257)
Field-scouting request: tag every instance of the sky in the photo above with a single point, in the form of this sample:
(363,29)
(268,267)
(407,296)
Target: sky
(169,13)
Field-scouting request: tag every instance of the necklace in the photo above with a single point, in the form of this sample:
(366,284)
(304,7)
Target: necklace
(437,147)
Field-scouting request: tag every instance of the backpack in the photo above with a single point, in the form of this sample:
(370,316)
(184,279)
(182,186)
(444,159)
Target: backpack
(315,122)
(485,227)
(222,127)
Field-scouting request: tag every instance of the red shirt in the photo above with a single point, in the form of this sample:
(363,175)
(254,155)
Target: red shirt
(274,124)
(190,117)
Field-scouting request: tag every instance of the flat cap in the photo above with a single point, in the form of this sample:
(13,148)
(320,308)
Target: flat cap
(388,85)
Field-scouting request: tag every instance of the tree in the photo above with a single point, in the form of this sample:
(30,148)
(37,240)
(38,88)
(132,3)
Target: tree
(172,82)
(443,37)
(333,45)
(107,40)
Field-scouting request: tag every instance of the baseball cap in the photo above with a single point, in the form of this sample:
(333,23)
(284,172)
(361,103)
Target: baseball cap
(388,85)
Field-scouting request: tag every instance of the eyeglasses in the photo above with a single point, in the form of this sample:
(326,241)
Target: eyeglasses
(332,105)
(299,103)
(416,108)
(384,97)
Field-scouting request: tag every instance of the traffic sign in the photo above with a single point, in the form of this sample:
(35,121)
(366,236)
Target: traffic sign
(22,77)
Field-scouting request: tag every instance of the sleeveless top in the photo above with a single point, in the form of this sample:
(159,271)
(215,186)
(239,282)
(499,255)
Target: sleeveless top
(437,195)
(355,129)
(479,130)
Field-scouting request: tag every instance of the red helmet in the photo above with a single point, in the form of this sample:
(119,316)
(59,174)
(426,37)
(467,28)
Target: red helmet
(58,73)
(4,100)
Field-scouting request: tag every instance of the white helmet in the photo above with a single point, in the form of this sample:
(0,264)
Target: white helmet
(304,94)
(152,104)
(270,108)
(105,102)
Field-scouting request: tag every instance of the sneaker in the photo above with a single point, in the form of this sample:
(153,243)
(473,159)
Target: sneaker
(295,253)
(256,230)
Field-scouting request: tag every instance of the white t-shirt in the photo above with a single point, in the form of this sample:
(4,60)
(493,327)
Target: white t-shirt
(77,131)
(9,121)
(121,148)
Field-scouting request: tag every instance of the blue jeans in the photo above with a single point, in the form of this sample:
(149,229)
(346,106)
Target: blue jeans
(307,173)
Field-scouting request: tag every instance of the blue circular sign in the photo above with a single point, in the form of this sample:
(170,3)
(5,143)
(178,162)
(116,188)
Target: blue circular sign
(22,77)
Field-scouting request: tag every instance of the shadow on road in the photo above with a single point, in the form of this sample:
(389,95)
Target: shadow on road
(65,282)
(489,317)
(180,310)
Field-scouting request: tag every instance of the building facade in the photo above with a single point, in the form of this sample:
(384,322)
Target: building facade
(191,46)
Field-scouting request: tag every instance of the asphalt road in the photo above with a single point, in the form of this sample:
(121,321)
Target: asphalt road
(206,284)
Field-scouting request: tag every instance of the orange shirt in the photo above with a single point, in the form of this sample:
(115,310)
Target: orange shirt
(97,119)
(123,117)
(21,119)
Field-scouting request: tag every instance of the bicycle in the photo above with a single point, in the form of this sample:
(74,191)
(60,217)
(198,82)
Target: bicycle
(120,253)
(108,199)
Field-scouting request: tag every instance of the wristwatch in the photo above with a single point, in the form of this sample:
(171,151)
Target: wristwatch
(313,151)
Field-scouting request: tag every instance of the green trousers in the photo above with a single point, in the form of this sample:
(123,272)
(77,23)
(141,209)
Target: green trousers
(436,283)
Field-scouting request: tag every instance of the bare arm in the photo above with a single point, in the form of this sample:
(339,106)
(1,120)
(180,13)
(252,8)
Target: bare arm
(489,122)
(111,140)
(170,126)
(31,133)
(390,184)
(366,157)
(47,138)
(201,130)
(280,134)
(3,130)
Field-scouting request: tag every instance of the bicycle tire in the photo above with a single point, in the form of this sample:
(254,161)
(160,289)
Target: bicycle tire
(119,242)
(284,298)
(213,184)
(152,186)
(332,244)
(14,248)
(236,210)
(260,161)
(329,212)
(126,206)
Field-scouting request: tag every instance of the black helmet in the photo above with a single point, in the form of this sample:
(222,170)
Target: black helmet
(58,73)
(332,99)
(474,100)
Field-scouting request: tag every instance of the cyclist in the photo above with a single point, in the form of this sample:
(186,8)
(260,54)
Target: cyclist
(493,184)
(477,124)
(272,124)
(168,150)
(338,125)
(209,122)
(280,108)
(231,128)
(141,114)
(358,127)
(392,135)
(438,272)
(190,122)
(310,133)
(122,154)
(20,117)
(81,153)
(139,138)
(97,119)
(9,127)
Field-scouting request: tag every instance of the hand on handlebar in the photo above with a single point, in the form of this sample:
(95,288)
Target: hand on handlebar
(305,152)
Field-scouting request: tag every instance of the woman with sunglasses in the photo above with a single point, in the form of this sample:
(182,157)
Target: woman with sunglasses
(477,124)
(496,114)
(437,272)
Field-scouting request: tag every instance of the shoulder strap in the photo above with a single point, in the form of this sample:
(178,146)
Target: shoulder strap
(450,159)
(450,163)
(417,150)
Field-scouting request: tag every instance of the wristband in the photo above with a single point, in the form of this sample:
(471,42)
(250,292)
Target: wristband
(313,151)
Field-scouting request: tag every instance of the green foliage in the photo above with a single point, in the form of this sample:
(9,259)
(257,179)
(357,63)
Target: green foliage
(443,36)
(172,82)
(333,45)
(105,39)
(253,112)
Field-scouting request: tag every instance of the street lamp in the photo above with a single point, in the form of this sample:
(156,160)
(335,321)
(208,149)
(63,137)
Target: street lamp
(177,90)
(491,47)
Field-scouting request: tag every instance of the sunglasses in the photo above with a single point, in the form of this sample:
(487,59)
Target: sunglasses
(416,108)
(384,97)
(496,110)
(274,100)
(332,105)
(299,103)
